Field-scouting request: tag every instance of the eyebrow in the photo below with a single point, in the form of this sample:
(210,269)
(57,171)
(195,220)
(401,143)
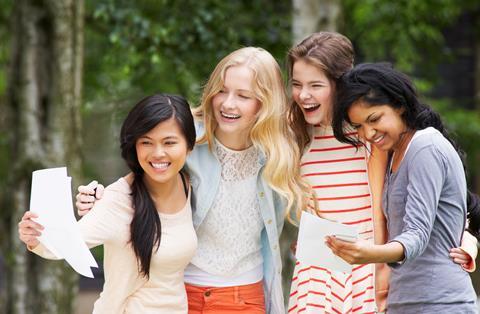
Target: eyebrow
(165,138)
(370,116)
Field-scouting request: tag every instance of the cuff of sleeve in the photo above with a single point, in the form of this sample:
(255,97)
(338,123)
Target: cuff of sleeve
(469,246)
(399,263)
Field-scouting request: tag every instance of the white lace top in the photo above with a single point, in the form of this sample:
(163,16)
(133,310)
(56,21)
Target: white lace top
(229,238)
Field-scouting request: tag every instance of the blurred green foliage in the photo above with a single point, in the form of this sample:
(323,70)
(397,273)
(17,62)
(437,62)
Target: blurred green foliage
(139,47)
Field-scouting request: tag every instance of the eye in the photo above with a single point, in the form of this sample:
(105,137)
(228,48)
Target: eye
(244,96)
(356,126)
(145,142)
(296,85)
(317,85)
(374,119)
(170,142)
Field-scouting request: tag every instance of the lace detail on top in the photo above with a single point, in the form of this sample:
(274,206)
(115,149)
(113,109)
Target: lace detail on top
(229,237)
(237,165)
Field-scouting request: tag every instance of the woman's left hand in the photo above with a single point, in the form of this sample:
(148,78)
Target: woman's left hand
(357,252)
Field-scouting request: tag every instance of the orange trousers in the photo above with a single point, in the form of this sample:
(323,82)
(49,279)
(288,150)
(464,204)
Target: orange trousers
(226,300)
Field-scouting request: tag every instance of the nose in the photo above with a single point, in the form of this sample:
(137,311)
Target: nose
(304,94)
(369,133)
(229,101)
(159,151)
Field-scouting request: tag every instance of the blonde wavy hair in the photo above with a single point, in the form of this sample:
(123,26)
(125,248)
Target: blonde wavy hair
(270,133)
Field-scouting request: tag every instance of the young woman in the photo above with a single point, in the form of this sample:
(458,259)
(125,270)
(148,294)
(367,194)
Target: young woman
(425,194)
(347,180)
(144,219)
(244,174)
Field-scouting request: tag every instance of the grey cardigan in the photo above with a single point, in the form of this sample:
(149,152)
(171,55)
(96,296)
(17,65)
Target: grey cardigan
(425,206)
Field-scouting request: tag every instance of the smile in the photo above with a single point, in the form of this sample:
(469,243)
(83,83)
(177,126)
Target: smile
(311,107)
(230,115)
(378,139)
(160,165)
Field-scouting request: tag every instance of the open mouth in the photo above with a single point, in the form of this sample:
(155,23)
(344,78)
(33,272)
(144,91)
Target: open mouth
(378,139)
(230,116)
(160,165)
(310,107)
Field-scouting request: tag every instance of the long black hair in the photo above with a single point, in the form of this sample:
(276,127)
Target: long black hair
(145,228)
(379,84)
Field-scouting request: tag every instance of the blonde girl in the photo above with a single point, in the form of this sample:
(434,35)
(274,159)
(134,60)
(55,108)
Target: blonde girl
(244,175)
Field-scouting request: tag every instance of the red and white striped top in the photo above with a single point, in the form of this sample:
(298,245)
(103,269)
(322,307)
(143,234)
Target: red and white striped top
(338,174)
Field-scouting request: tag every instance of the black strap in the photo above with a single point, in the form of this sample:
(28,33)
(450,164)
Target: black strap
(184,181)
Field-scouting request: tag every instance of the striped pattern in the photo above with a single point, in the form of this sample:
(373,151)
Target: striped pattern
(338,174)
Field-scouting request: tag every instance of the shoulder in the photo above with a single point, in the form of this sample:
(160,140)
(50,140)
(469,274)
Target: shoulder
(117,196)
(430,141)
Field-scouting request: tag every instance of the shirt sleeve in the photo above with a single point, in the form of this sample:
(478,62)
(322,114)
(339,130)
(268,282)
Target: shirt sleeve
(106,218)
(426,177)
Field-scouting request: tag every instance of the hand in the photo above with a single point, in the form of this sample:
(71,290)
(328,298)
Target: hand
(29,230)
(460,257)
(352,252)
(87,194)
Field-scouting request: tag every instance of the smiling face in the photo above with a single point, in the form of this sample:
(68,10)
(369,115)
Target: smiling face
(161,152)
(235,108)
(313,92)
(381,125)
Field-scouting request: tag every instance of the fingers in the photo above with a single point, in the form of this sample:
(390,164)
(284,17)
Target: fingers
(99,191)
(459,256)
(29,230)
(88,189)
(87,196)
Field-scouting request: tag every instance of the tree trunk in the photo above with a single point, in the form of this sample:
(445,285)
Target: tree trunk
(310,16)
(44,95)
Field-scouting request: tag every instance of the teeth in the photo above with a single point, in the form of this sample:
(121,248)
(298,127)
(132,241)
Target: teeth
(230,115)
(160,165)
(378,139)
(310,106)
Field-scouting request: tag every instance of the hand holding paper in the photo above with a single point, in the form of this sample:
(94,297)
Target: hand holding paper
(51,199)
(311,248)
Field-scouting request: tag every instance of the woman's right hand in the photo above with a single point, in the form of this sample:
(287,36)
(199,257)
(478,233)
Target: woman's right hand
(87,194)
(29,230)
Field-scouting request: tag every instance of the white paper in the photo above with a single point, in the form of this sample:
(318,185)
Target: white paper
(311,248)
(51,199)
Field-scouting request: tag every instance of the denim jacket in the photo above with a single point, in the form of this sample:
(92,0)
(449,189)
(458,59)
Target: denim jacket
(205,170)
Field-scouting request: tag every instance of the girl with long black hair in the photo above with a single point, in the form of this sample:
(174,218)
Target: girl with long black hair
(144,219)
(425,197)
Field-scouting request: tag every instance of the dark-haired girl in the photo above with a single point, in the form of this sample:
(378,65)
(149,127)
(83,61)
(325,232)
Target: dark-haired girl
(425,196)
(144,219)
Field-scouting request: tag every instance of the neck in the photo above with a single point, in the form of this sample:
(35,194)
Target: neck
(234,142)
(159,191)
(402,144)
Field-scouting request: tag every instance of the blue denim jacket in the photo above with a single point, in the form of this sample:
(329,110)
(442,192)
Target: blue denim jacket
(205,171)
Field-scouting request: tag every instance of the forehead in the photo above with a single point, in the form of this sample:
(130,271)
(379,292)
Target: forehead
(360,110)
(239,77)
(167,128)
(303,70)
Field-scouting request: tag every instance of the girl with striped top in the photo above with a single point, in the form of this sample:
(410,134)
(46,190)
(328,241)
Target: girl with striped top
(347,181)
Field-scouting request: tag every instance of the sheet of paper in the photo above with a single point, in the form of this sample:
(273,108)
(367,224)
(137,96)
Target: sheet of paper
(51,199)
(311,248)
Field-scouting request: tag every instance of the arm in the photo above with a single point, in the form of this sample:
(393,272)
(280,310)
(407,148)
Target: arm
(364,252)
(426,177)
